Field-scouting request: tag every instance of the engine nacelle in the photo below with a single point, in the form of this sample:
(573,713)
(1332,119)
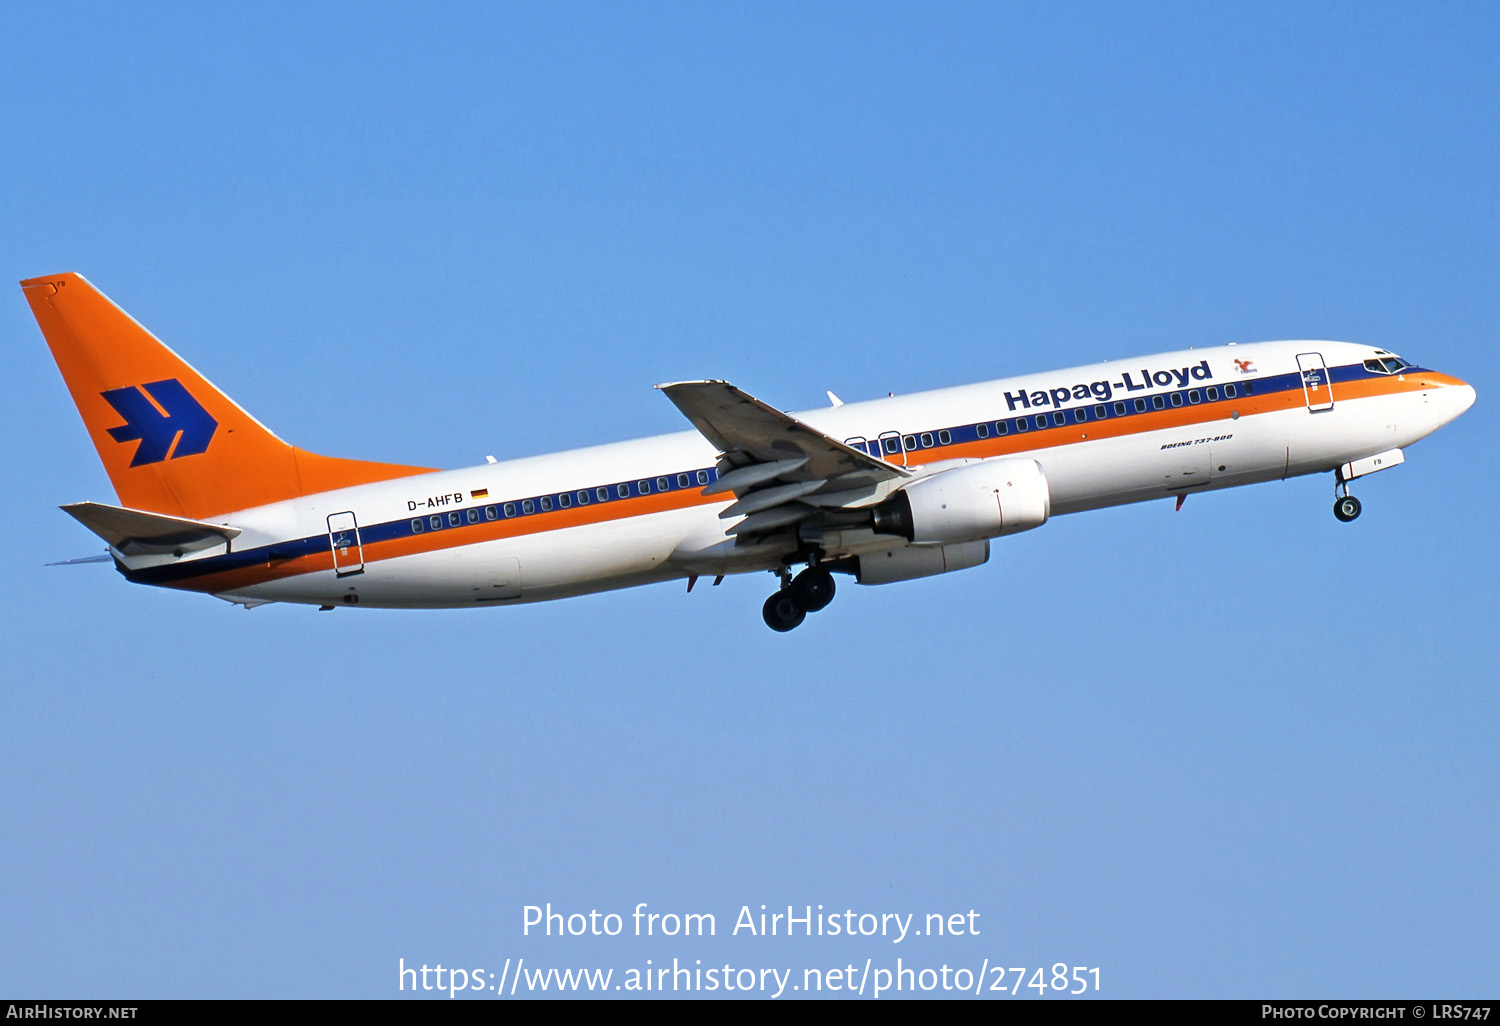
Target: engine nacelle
(981,500)
(912,561)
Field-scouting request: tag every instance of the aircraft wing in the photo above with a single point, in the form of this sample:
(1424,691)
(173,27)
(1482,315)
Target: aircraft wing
(780,469)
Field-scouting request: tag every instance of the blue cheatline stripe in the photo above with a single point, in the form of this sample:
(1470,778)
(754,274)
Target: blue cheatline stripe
(406,528)
(956,435)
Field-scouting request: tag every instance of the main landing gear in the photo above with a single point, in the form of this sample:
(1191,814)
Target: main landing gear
(808,592)
(1345,506)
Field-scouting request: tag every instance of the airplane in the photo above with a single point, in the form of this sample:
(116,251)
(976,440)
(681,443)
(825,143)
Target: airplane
(885,490)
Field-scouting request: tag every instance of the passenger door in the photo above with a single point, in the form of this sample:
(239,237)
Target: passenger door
(1315,384)
(343,539)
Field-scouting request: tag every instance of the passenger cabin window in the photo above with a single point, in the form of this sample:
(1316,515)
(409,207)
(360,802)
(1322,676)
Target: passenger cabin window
(1194,397)
(453,519)
(927,439)
(661,484)
(435,523)
(683,481)
(1001,427)
(1041,420)
(944,437)
(564,501)
(602,494)
(1230,392)
(702,478)
(527,506)
(1176,398)
(623,491)
(1119,409)
(1140,406)
(583,497)
(490,513)
(892,446)
(1100,412)
(473,516)
(510,509)
(416,526)
(546,504)
(1158,402)
(1059,418)
(1212,391)
(909,441)
(1022,424)
(982,430)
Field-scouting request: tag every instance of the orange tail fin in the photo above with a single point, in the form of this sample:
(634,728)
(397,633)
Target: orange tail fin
(170,441)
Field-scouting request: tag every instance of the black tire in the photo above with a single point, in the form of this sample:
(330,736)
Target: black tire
(1346,509)
(782,611)
(813,588)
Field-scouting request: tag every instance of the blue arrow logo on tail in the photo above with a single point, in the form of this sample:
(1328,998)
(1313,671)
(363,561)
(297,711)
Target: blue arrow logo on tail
(156,430)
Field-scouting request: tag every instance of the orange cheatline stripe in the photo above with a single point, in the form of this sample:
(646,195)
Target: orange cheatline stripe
(454,537)
(620,509)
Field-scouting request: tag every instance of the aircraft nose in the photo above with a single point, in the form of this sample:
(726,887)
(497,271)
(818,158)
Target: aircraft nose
(1454,398)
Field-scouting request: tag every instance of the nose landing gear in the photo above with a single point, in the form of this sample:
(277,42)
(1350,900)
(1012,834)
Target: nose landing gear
(1345,506)
(808,592)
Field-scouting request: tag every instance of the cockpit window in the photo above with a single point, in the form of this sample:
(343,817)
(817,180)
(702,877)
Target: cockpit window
(1386,365)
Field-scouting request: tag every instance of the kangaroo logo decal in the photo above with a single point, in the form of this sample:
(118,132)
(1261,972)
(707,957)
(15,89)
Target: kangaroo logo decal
(158,414)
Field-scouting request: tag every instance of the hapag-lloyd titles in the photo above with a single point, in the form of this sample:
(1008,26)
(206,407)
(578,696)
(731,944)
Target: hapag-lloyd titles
(1103,391)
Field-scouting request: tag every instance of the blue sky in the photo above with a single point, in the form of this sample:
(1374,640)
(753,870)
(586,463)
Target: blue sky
(1236,751)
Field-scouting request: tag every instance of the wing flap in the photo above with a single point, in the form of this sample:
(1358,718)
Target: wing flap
(783,473)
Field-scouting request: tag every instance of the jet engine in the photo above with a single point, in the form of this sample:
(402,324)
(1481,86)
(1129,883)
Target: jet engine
(965,504)
(912,561)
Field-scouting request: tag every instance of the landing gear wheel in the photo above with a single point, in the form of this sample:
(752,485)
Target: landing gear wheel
(782,611)
(813,588)
(1346,508)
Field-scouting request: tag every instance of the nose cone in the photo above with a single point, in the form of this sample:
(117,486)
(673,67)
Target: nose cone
(1453,399)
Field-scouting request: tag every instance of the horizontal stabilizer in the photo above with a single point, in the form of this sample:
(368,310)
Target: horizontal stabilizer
(135,532)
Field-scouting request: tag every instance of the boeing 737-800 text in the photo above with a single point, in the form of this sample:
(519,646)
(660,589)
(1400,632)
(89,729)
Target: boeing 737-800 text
(886,490)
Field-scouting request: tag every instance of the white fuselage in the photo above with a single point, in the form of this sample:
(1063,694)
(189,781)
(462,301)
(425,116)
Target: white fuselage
(460,537)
